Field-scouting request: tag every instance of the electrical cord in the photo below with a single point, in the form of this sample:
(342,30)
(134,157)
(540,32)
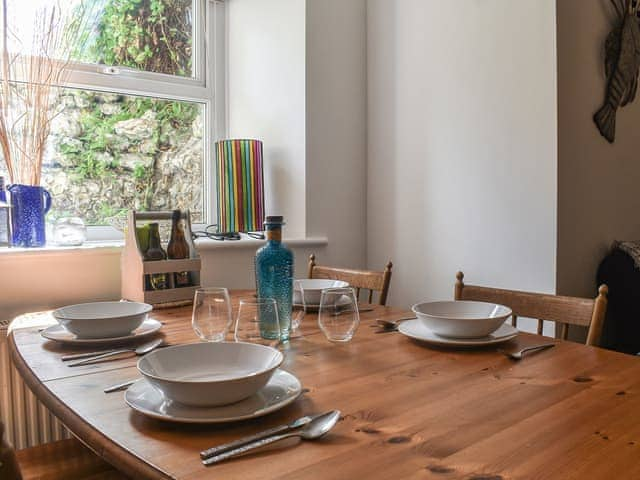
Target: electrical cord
(221,236)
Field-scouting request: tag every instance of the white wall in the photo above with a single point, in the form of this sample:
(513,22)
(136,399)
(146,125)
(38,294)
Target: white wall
(41,280)
(462,144)
(336,129)
(266,96)
(297,80)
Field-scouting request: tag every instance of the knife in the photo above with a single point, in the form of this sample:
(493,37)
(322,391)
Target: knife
(120,386)
(79,356)
(301,422)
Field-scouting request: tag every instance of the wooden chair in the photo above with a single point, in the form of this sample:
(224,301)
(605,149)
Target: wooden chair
(564,311)
(61,460)
(359,279)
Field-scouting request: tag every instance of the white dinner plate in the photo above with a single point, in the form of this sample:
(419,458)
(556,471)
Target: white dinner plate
(419,331)
(313,288)
(344,300)
(102,319)
(231,372)
(59,334)
(282,389)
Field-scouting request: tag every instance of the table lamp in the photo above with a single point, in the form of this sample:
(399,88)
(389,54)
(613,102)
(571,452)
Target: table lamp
(239,185)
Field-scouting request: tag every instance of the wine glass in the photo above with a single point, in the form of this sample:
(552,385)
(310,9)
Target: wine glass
(338,315)
(211,314)
(257,321)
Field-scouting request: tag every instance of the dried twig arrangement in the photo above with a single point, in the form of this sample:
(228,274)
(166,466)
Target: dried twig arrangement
(29,87)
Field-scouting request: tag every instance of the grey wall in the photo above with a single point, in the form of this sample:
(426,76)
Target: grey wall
(598,183)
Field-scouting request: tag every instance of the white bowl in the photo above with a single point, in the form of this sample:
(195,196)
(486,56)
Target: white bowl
(102,319)
(461,319)
(312,288)
(210,374)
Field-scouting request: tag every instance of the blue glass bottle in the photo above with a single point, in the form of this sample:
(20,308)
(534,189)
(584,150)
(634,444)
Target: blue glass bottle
(274,278)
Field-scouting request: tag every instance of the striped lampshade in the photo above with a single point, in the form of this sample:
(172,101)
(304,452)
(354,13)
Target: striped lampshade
(239,185)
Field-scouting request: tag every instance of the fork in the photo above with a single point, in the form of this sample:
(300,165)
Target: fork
(519,354)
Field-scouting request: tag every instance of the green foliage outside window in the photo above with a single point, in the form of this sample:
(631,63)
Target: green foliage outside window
(148,35)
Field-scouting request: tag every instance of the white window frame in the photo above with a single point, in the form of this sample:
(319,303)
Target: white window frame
(206,87)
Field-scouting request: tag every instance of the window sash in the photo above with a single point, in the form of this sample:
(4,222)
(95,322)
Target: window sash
(138,82)
(125,78)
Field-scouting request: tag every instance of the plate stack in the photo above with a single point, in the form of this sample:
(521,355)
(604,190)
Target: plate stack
(308,291)
(102,322)
(212,383)
(459,323)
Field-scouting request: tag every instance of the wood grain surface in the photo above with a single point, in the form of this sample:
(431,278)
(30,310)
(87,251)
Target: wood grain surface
(409,410)
(64,460)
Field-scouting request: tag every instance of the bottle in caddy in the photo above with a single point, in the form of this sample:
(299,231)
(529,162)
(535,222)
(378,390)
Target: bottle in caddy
(156,281)
(274,279)
(178,249)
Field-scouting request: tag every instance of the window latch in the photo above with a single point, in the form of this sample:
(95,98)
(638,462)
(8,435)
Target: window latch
(109,70)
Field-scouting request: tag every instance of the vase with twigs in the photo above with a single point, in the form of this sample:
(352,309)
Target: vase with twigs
(32,77)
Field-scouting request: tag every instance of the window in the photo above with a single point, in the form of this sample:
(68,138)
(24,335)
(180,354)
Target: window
(133,128)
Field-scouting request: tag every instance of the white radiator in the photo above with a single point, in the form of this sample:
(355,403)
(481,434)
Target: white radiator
(27,421)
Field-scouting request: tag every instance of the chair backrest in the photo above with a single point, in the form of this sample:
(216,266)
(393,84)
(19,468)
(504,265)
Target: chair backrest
(565,311)
(359,279)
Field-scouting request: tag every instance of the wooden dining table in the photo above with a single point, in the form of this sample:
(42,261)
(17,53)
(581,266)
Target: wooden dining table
(408,409)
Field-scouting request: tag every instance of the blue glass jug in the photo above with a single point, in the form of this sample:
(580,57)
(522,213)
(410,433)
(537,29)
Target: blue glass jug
(29,205)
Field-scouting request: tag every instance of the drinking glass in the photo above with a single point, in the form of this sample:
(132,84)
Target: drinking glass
(297,314)
(298,309)
(257,321)
(211,313)
(338,315)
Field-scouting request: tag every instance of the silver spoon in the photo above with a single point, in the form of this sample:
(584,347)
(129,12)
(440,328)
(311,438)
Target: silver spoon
(141,350)
(318,427)
(518,355)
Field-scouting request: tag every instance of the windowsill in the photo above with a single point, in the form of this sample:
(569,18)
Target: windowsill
(115,246)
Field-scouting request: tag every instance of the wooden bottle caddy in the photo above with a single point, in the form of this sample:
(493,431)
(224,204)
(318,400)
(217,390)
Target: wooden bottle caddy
(134,267)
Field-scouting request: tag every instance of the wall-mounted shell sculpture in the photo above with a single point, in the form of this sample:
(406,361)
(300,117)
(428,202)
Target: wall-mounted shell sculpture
(622,62)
